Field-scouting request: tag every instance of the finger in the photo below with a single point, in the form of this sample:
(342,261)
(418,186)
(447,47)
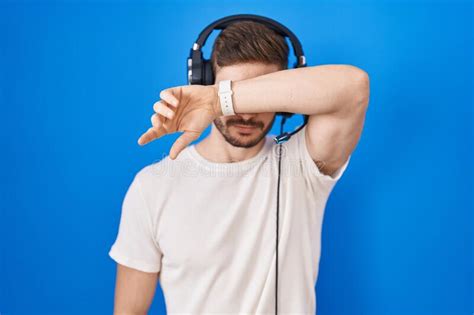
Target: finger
(168,96)
(150,135)
(182,142)
(161,108)
(157,120)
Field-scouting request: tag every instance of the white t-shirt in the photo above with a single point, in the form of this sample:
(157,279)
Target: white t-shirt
(209,229)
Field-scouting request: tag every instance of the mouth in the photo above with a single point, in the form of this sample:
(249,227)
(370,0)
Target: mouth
(244,129)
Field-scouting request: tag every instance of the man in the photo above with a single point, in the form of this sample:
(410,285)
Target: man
(201,220)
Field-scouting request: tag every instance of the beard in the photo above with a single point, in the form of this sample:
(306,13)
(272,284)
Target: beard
(242,140)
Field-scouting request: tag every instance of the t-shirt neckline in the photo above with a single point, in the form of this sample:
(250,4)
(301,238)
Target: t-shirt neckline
(229,166)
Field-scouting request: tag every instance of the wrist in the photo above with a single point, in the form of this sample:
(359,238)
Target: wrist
(216,105)
(225,98)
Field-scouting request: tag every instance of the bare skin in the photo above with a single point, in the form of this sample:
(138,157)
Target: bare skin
(134,291)
(334,96)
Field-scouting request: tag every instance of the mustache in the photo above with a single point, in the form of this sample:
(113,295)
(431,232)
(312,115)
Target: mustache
(249,123)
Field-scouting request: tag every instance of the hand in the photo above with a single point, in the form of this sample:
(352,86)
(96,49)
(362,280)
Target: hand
(187,108)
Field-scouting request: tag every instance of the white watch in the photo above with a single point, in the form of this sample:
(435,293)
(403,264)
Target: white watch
(225,98)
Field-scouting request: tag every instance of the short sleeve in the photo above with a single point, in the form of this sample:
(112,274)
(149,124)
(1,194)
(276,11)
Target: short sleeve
(311,165)
(135,245)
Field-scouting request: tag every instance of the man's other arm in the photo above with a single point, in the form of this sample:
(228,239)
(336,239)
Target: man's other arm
(134,291)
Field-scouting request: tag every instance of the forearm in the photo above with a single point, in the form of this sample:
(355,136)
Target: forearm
(312,90)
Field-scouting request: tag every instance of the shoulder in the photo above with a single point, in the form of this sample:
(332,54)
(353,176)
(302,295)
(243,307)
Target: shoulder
(153,171)
(163,169)
(162,174)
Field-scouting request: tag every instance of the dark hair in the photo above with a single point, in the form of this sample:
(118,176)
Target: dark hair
(249,41)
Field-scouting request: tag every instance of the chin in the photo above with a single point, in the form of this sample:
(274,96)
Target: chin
(241,137)
(245,139)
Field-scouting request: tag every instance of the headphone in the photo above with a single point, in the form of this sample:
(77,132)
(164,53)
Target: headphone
(200,69)
(200,72)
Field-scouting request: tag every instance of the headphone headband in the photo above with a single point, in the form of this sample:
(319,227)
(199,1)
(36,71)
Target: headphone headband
(272,24)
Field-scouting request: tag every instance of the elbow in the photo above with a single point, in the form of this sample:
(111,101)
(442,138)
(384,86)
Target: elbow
(362,90)
(357,99)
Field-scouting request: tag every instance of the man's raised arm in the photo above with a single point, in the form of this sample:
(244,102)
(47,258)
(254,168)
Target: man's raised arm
(334,96)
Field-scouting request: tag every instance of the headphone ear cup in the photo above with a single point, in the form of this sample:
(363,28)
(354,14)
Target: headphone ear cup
(208,75)
(195,67)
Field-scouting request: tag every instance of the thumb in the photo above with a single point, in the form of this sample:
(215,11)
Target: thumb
(182,142)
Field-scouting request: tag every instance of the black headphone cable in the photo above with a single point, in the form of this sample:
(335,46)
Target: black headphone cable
(283,119)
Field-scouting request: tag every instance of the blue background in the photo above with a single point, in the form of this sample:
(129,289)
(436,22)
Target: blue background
(78,81)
